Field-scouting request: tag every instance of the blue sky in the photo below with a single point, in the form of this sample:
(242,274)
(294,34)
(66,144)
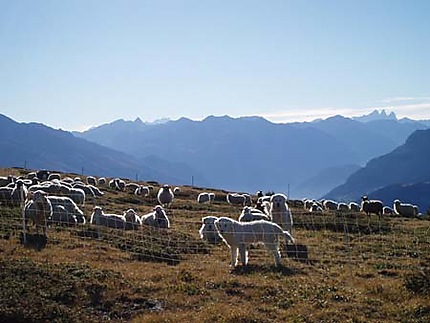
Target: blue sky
(75,64)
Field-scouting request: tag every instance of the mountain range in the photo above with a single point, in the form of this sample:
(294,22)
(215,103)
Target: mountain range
(305,159)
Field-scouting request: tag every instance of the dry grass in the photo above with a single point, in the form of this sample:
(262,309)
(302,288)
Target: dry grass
(356,270)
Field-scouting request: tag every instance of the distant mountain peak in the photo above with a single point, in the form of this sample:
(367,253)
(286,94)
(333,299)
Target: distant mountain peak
(376,115)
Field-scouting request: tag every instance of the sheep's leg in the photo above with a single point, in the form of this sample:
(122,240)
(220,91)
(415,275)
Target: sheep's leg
(233,250)
(243,254)
(274,249)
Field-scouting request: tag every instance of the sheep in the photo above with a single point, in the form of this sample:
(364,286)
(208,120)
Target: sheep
(165,196)
(386,210)
(38,210)
(132,220)
(371,206)
(252,214)
(263,206)
(211,197)
(157,218)
(117,184)
(4,181)
(315,208)
(203,198)
(61,216)
(91,180)
(177,190)
(77,195)
(19,192)
(115,221)
(236,199)
(6,195)
(102,181)
(238,235)
(330,205)
(355,207)
(342,207)
(307,204)
(208,230)
(142,190)
(131,187)
(405,209)
(53,176)
(42,174)
(71,207)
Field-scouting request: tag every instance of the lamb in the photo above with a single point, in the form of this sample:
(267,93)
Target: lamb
(280,212)
(208,230)
(405,209)
(115,221)
(238,235)
(157,218)
(132,220)
(371,206)
(252,214)
(386,210)
(38,210)
(69,205)
(165,196)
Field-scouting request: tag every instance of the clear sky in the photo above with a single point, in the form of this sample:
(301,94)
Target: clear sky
(74,64)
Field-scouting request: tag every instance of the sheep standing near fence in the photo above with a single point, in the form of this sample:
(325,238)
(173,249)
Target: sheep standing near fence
(38,210)
(165,196)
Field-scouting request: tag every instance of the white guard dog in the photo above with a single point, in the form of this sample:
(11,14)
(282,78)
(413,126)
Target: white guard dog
(280,212)
(237,235)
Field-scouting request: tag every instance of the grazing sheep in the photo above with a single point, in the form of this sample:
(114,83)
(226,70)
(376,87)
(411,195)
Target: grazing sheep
(131,187)
(77,195)
(117,184)
(165,196)
(157,218)
(203,198)
(102,181)
(91,180)
(280,212)
(208,230)
(371,206)
(176,190)
(355,207)
(238,235)
(42,174)
(142,190)
(342,207)
(315,208)
(211,197)
(38,210)
(405,209)
(132,220)
(236,199)
(386,210)
(53,176)
(252,214)
(4,181)
(19,193)
(71,207)
(61,216)
(330,205)
(115,221)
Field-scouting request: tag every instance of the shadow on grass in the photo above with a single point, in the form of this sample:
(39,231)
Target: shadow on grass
(252,269)
(34,241)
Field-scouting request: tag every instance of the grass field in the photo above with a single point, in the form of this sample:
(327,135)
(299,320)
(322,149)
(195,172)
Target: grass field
(354,269)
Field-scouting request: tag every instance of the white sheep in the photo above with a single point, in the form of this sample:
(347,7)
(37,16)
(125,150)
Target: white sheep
(157,218)
(77,195)
(131,187)
(38,210)
(142,190)
(69,205)
(342,207)
(165,196)
(208,230)
(53,176)
(315,208)
(61,216)
(132,220)
(330,205)
(405,209)
(386,210)
(177,190)
(353,206)
(91,180)
(116,221)
(236,199)
(371,206)
(102,181)
(203,198)
(211,197)
(252,214)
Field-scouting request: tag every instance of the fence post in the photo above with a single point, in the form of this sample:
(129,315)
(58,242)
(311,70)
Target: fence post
(23,216)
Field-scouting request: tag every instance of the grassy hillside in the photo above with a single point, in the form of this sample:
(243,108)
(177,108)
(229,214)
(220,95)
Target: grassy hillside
(356,269)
